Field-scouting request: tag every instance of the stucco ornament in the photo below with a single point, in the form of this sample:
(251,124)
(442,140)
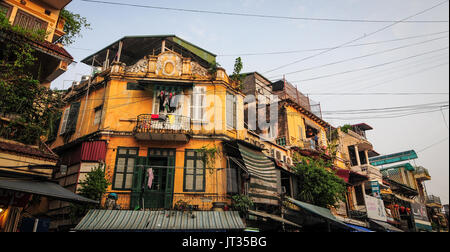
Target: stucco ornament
(169,64)
(198,70)
(140,67)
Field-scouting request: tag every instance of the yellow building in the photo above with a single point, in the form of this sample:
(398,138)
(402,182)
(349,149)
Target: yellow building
(44,15)
(155,104)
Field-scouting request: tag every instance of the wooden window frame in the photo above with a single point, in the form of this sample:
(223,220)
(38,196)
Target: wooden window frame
(9,9)
(126,168)
(65,119)
(43,23)
(195,169)
(231,122)
(198,105)
(97,121)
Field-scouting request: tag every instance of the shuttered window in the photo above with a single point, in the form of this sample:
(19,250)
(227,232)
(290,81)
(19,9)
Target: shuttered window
(29,22)
(64,121)
(123,172)
(194,172)
(73,117)
(198,104)
(98,115)
(231,111)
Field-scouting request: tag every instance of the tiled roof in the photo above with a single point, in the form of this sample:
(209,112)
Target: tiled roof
(27,150)
(46,46)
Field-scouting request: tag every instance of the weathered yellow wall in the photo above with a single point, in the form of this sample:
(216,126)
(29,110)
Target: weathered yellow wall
(38,10)
(295,119)
(215,179)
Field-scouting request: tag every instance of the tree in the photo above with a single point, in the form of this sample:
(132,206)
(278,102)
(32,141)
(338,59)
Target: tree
(92,187)
(237,76)
(73,26)
(31,107)
(318,185)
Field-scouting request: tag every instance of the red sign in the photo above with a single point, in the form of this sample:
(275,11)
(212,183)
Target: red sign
(12,198)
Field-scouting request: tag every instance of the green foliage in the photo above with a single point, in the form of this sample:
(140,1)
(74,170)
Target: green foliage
(346,127)
(236,76)
(318,185)
(213,69)
(30,106)
(209,156)
(241,203)
(93,187)
(73,26)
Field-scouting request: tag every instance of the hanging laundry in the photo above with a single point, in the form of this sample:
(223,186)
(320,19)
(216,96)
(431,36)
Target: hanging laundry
(173,103)
(155,117)
(150,178)
(162,98)
(171,119)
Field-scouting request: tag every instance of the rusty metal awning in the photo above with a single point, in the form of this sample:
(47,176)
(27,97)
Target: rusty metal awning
(151,221)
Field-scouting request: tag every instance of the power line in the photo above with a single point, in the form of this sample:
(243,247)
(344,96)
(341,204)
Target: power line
(387,116)
(263,15)
(326,48)
(369,94)
(426,148)
(364,78)
(364,56)
(359,38)
(370,67)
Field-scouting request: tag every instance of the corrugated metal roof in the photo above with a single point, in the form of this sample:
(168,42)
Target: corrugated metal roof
(125,220)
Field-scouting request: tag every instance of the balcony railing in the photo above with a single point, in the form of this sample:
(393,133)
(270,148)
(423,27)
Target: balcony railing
(162,127)
(368,170)
(433,199)
(422,173)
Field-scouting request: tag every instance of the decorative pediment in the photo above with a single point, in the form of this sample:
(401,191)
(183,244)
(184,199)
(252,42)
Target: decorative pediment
(168,64)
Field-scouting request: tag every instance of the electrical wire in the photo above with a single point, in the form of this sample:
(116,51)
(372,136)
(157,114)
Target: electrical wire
(263,16)
(371,67)
(428,147)
(363,56)
(354,40)
(326,48)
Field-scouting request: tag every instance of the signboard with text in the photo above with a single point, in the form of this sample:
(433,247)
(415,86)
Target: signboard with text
(375,208)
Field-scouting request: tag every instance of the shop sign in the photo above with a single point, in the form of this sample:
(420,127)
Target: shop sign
(375,208)
(375,185)
(419,212)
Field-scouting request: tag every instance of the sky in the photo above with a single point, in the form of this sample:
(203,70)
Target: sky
(400,65)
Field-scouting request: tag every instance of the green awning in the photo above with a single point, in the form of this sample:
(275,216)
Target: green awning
(316,210)
(393,158)
(125,220)
(263,177)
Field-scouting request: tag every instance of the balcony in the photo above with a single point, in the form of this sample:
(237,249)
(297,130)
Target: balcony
(163,128)
(422,174)
(370,171)
(434,201)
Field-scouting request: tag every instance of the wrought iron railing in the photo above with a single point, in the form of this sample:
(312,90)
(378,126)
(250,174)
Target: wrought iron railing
(164,124)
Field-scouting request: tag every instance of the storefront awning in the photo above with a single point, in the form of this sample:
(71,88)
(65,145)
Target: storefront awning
(150,221)
(320,211)
(273,217)
(263,177)
(43,188)
(359,228)
(386,226)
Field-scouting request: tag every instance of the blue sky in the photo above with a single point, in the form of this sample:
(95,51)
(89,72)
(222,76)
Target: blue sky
(224,35)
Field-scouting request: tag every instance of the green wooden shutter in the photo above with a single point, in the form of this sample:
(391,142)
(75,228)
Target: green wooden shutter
(73,117)
(168,196)
(136,188)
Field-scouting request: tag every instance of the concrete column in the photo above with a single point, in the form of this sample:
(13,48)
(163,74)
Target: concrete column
(366,152)
(357,155)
